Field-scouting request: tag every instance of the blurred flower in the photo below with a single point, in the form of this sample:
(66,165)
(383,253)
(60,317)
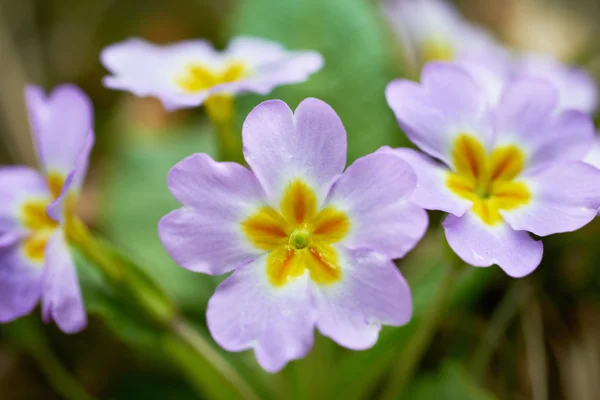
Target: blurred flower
(432,30)
(35,208)
(185,74)
(310,245)
(576,88)
(503,172)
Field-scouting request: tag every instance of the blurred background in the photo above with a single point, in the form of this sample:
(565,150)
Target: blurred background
(533,338)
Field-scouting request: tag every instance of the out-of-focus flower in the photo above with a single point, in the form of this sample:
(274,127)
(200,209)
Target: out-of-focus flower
(500,172)
(432,30)
(185,74)
(309,244)
(576,88)
(35,262)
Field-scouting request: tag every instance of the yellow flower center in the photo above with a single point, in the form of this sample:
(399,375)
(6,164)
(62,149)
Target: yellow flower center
(39,225)
(298,237)
(437,49)
(199,77)
(488,180)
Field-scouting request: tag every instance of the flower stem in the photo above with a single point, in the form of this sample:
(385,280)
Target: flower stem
(415,349)
(208,371)
(220,109)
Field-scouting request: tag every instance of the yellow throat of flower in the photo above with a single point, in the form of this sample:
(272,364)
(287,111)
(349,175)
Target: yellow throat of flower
(199,77)
(488,180)
(38,224)
(298,237)
(437,49)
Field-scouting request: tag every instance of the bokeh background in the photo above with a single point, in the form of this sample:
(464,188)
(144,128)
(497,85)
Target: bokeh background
(533,338)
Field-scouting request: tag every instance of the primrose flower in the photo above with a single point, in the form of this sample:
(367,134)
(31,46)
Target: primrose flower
(309,244)
(433,30)
(35,262)
(187,73)
(499,172)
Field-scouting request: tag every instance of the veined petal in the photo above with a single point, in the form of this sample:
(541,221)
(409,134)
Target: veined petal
(63,128)
(20,283)
(431,191)
(565,197)
(281,147)
(371,293)
(199,242)
(482,245)
(17,186)
(61,296)
(247,312)
(207,235)
(447,103)
(374,192)
(208,186)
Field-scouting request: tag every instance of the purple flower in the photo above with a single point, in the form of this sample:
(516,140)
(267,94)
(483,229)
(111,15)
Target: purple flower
(433,30)
(309,244)
(185,74)
(493,71)
(35,262)
(499,172)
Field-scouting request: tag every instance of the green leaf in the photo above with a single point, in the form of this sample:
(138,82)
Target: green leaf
(356,45)
(452,381)
(136,197)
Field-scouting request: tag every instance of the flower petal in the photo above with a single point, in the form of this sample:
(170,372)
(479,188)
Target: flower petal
(271,63)
(20,284)
(146,69)
(61,297)
(569,136)
(372,293)
(280,146)
(481,245)
(198,242)
(62,124)
(447,103)
(565,197)
(247,312)
(577,90)
(526,115)
(374,192)
(206,236)
(17,185)
(524,107)
(593,156)
(431,191)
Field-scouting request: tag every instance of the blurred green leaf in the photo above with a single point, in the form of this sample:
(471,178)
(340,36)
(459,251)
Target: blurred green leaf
(356,45)
(136,197)
(104,300)
(451,382)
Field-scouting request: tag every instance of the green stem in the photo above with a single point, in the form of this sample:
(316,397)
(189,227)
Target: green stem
(28,333)
(197,359)
(214,371)
(415,349)
(505,312)
(220,110)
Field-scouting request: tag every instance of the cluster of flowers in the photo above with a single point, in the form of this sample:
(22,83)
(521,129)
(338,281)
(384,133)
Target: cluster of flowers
(504,140)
